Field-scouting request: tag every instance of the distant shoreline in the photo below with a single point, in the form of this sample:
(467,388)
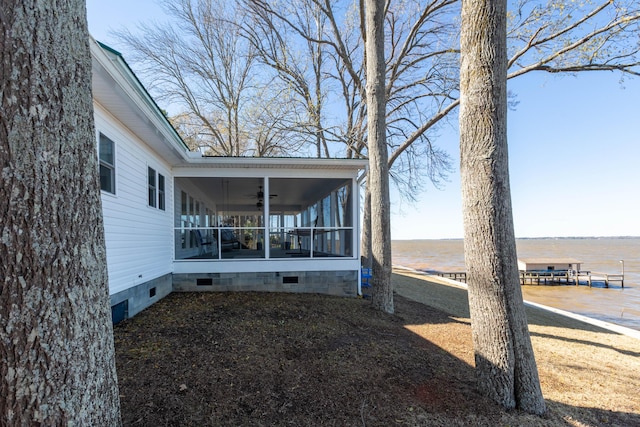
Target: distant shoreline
(532,238)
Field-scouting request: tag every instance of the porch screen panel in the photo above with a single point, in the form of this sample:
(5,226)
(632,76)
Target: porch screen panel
(313,219)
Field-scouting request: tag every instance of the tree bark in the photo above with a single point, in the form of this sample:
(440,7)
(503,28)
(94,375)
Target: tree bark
(56,340)
(505,363)
(365,240)
(382,289)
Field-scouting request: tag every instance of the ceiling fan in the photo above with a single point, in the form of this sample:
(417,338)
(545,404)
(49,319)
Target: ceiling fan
(260,196)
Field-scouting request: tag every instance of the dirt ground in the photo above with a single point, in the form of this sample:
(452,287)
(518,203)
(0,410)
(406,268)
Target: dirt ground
(265,359)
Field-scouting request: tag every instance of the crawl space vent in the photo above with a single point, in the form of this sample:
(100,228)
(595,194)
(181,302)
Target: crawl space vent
(204,282)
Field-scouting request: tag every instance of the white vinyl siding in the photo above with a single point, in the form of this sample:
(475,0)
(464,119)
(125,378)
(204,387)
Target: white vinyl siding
(139,240)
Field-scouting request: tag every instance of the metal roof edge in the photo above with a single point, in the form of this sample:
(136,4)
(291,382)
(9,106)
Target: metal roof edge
(137,85)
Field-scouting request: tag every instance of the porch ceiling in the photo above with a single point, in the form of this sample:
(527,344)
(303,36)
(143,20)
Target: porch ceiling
(288,195)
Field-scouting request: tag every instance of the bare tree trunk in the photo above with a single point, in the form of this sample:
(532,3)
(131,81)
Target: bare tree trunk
(378,158)
(505,363)
(365,242)
(56,339)
(317,104)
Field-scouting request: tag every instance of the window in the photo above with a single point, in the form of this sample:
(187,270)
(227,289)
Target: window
(161,199)
(156,188)
(152,187)
(106,155)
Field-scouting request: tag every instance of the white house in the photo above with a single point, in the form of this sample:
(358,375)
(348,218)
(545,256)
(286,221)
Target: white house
(179,221)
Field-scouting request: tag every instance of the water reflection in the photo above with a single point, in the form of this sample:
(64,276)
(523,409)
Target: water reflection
(615,304)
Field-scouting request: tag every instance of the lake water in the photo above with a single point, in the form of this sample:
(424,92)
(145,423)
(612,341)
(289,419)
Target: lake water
(614,304)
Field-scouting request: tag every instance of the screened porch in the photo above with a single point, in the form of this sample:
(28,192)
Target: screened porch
(262,218)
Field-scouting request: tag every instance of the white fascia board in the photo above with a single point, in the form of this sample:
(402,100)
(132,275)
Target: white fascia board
(238,172)
(279,163)
(137,96)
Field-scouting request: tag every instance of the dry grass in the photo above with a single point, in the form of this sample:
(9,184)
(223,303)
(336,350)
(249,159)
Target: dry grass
(292,359)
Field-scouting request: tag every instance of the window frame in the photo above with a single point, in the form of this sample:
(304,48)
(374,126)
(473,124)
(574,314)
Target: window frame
(152,192)
(156,190)
(161,192)
(103,164)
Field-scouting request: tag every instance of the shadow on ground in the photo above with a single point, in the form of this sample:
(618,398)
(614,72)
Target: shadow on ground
(295,359)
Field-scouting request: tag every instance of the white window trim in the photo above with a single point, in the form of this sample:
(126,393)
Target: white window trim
(112,167)
(156,189)
(162,206)
(152,200)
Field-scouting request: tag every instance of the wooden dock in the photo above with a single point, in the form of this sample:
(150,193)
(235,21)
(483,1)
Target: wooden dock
(458,276)
(549,277)
(536,271)
(568,277)
(544,277)
(606,278)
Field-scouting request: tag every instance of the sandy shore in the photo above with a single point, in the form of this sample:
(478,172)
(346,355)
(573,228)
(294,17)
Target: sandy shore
(456,303)
(576,360)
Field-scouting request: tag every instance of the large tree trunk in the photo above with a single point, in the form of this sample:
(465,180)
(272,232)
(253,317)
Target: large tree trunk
(56,341)
(505,363)
(378,157)
(366,257)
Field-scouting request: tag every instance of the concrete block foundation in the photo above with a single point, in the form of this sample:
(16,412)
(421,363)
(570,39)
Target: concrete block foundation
(132,301)
(128,303)
(340,283)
